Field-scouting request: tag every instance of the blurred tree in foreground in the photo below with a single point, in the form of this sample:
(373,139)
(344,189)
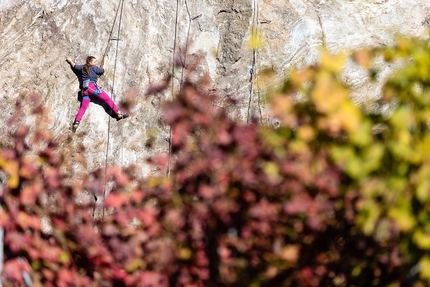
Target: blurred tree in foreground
(338,195)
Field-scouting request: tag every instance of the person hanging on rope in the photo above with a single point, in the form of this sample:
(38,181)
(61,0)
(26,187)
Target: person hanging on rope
(87,75)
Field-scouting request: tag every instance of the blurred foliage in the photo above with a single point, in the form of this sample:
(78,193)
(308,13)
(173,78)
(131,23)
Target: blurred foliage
(337,195)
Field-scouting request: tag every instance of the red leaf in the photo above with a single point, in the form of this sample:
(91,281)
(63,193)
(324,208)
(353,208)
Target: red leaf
(116,200)
(264,210)
(13,269)
(65,278)
(149,279)
(137,196)
(34,254)
(28,170)
(51,253)
(110,230)
(299,204)
(201,259)
(175,217)
(148,215)
(119,177)
(206,192)
(224,138)
(29,194)
(16,241)
(28,221)
(4,219)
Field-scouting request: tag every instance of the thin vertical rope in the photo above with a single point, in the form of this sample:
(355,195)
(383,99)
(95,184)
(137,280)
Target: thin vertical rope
(252,70)
(173,74)
(116,56)
(110,34)
(107,145)
(257,16)
(186,43)
(113,97)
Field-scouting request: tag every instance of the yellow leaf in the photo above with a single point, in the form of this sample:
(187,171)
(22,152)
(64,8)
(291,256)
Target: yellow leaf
(290,253)
(12,169)
(64,257)
(368,216)
(299,78)
(184,253)
(356,271)
(421,239)
(423,191)
(134,265)
(282,106)
(255,41)
(424,146)
(363,58)
(354,167)
(333,63)
(350,116)
(404,43)
(425,268)
(372,157)
(403,218)
(306,133)
(272,171)
(402,118)
(363,135)
(329,96)
(342,154)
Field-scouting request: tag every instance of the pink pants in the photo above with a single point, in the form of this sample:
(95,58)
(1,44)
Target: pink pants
(86,100)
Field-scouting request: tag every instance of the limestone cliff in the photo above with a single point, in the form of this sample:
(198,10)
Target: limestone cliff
(36,36)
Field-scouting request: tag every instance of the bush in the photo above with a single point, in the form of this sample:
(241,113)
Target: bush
(337,195)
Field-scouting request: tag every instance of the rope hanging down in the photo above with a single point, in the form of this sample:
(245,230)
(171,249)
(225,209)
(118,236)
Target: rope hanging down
(110,34)
(173,73)
(183,65)
(252,71)
(120,4)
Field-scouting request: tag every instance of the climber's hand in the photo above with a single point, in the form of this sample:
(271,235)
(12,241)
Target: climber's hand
(71,63)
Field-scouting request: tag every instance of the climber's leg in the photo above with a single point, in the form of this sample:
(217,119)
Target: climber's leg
(105,98)
(84,105)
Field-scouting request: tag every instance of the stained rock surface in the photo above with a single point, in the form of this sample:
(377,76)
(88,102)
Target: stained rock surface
(141,40)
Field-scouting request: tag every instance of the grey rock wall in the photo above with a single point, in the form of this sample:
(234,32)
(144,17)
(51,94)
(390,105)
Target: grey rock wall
(36,37)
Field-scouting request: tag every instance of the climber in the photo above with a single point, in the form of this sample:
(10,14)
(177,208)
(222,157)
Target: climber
(88,75)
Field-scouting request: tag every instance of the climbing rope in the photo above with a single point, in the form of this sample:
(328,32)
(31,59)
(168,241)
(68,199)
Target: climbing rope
(110,34)
(254,52)
(120,4)
(255,60)
(182,68)
(253,75)
(116,57)
(172,89)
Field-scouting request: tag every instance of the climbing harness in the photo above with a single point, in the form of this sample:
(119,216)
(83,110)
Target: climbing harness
(85,84)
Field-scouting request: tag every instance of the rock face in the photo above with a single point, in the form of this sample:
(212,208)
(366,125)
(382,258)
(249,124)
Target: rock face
(142,38)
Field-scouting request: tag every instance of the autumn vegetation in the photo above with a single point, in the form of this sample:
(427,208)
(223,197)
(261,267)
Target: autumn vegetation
(336,194)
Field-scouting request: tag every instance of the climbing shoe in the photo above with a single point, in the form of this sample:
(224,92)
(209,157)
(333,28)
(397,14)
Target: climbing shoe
(120,115)
(75,126)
